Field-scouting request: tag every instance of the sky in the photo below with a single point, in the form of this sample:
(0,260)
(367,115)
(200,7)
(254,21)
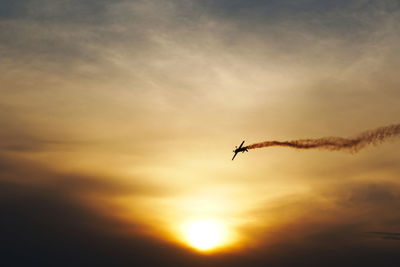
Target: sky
(118,120)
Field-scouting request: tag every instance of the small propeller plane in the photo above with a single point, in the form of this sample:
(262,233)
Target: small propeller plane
(239,149)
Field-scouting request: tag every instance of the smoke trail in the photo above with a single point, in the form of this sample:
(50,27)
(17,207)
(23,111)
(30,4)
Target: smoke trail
(372,137)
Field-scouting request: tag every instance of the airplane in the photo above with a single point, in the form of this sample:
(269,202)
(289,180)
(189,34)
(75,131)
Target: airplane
(239,149)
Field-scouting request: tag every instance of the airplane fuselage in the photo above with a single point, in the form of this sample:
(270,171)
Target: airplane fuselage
(241,148)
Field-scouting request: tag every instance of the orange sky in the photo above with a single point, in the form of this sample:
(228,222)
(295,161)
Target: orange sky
(131,109)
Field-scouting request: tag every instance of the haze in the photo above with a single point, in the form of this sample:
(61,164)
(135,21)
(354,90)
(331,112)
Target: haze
(118,120)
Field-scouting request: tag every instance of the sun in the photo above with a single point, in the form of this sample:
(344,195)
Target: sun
(205,234)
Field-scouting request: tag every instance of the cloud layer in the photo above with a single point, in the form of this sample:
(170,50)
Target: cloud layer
(117,120)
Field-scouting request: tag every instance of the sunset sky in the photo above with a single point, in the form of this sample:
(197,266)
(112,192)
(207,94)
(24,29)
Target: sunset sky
(118,120)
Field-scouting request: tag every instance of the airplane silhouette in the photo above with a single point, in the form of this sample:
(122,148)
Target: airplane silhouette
(239,149)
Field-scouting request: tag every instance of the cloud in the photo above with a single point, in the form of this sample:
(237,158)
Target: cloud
(328,226)
(42,227)
(50,218)
(139,102)
(386,235)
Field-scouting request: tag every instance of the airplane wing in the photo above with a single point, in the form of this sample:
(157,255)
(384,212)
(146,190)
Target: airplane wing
(234,155)
(241,145)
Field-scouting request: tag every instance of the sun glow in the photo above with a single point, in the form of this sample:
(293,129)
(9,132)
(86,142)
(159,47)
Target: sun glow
(205,235)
